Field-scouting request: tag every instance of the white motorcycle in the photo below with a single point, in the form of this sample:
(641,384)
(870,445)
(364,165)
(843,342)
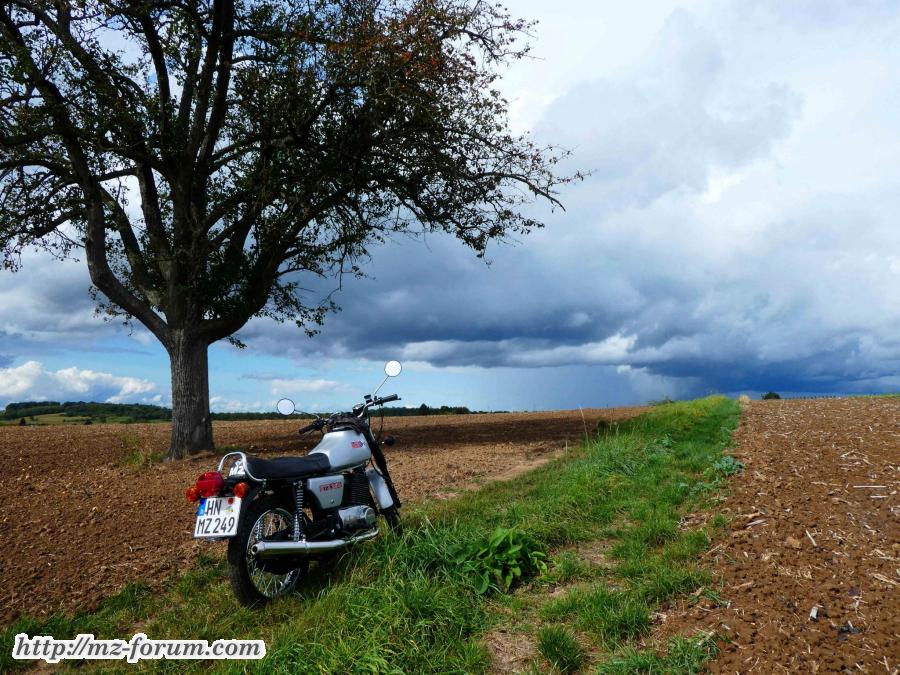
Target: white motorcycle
(278,513)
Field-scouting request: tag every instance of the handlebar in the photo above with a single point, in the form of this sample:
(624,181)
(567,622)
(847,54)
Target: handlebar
(358,411)
(318,424)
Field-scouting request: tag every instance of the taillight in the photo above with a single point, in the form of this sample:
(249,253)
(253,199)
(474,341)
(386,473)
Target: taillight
(192,494)
(241,490)
(210,484)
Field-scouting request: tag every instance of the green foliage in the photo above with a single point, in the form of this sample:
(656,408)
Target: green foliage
(270,154)
(728,465)
(558,645)
(771,396)
(664,441)
(508,557)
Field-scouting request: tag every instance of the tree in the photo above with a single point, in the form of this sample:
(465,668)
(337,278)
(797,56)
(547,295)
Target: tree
(207,154)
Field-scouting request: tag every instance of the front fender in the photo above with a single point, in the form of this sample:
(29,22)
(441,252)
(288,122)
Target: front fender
(379,489)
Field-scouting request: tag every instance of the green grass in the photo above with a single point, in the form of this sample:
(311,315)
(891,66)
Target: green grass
(559,646)
(405,604)
(681,655)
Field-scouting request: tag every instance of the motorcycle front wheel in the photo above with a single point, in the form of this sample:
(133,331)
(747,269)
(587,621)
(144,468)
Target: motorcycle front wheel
(392,517)
(254,582)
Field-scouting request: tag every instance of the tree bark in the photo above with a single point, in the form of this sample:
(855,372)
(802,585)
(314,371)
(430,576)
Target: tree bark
(191,421)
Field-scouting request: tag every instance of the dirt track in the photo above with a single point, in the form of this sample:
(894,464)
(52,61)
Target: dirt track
(77,523)
(816,522)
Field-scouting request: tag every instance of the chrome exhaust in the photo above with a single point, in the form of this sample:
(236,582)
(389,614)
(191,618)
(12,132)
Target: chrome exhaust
(274,549)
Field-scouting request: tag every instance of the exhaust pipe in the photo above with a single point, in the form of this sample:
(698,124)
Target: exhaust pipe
(274,549)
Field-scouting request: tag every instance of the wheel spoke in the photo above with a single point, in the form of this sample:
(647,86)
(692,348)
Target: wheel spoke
(266,583)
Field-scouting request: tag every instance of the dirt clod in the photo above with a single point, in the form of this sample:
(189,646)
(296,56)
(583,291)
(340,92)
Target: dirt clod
(827,474)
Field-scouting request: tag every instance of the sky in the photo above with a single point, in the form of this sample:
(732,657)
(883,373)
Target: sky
(737,234)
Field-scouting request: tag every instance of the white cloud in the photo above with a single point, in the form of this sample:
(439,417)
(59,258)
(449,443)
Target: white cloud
(31,381)
(285,387)
(224,404)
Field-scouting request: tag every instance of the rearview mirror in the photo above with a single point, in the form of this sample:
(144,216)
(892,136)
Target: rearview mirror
(286,406)
(392,368)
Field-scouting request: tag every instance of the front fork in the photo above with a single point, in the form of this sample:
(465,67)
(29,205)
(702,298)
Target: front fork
(381,463)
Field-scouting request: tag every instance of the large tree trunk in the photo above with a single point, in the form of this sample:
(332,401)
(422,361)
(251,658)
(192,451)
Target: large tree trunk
(191,422)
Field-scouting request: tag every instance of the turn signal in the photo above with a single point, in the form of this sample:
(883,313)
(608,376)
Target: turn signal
(192,494)
(241,490)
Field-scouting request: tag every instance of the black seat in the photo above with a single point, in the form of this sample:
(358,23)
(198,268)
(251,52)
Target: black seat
(289,467)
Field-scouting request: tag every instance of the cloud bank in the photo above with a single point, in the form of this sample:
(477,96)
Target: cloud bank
(31,381)
(736,231)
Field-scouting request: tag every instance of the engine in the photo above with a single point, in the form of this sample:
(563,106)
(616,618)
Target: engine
(355,517)
(356,510)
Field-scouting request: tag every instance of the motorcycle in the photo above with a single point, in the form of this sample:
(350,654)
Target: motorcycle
(279,513)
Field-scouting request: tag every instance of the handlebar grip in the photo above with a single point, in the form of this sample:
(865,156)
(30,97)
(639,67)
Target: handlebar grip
(309,427)
(388,399)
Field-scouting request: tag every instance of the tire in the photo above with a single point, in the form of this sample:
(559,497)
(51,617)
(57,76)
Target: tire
(392,516)
(254,586)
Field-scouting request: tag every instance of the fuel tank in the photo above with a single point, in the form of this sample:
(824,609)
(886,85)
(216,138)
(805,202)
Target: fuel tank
(344,448)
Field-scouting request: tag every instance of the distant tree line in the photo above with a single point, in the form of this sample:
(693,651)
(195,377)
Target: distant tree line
(133,412)
(136,412)
(388,412)
(427,410)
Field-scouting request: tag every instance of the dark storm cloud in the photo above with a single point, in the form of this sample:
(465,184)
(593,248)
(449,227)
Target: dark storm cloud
(680,256)
(737,232)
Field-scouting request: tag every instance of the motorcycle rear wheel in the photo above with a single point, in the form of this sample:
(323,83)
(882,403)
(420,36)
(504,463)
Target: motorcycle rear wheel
(254,585)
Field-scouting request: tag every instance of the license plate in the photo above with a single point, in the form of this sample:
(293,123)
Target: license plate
(217,517)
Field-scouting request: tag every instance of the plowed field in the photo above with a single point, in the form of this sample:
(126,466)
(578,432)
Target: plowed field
(78,520)
(815,524)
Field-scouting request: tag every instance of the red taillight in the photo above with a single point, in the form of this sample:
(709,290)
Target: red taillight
(210,484)
(192,494)
(241,490)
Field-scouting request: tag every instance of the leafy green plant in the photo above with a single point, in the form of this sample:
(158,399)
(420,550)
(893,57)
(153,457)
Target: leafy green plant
(137,455)
(728,465)
(508,557)
(560,648)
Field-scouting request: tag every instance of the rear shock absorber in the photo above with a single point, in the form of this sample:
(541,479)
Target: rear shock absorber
(298,510)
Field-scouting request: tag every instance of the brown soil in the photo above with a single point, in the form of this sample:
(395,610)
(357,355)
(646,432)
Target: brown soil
(77,522)
(815,523)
